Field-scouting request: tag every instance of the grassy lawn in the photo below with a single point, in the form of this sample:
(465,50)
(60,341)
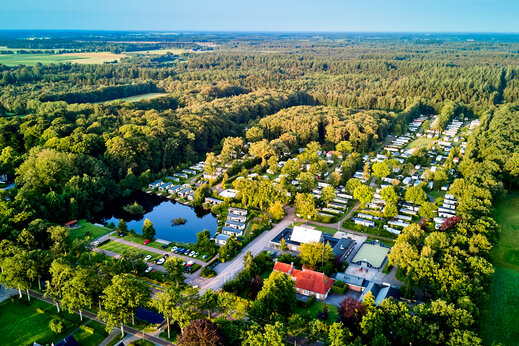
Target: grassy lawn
(21,324)
(420,142)
(120,248)
(86,339)
(318,306)
(436,194)
(506,252)
(116,340)
(32,59)
(174,335)
(139,240)
(376,231)
(325,229)
(86,227)
(500,320)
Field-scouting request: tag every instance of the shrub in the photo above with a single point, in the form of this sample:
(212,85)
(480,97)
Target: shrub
(308,303)
(387,268)
(134,209)
(339,290)
(40,311)
(178,221)
(87,329)
(57,325)
(208,272)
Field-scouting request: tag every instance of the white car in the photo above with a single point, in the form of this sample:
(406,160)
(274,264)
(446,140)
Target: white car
(95,243)
(192,253)
(147,258)
(173,248)
(161,260)
(149,269)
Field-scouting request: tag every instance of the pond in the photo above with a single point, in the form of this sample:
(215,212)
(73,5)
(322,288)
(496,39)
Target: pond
(161,212)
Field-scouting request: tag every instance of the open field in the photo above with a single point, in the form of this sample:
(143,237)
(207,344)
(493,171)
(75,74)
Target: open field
(500,320)
(21,324)
(420,142)
(32,59)
(93,57)
(506,252)
(86,227)
(120,248)
(80,58)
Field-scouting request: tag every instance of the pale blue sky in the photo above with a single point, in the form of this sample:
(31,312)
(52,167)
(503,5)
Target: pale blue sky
(264,15)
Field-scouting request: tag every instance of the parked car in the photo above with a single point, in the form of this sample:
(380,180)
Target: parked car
(164,246)
(161,260)
(146,242)
(187,252)
(95,243)
(204,257)
(122,234)
(174,248)
(165,255)
(149,269)
(147,258)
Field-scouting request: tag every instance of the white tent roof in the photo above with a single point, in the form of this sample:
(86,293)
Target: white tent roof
(305,235)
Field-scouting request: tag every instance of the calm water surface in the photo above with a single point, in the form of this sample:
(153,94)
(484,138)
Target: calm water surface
(161,212)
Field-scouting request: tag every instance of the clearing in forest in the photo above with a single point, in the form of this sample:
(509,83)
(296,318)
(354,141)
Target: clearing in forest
(500,320)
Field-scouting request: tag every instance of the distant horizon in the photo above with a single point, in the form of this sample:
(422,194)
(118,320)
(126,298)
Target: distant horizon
(268,31)
(343,16)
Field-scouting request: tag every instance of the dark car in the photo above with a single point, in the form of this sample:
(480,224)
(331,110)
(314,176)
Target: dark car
(164,246)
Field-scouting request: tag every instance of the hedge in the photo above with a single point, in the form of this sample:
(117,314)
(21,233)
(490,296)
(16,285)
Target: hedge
(87,329)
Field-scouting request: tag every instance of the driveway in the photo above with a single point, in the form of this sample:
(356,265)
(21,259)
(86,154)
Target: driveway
(227,271)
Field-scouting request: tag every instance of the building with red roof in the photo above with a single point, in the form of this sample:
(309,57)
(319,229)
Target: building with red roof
(307,282)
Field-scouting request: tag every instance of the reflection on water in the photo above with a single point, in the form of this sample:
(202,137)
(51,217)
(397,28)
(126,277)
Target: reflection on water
(161,212)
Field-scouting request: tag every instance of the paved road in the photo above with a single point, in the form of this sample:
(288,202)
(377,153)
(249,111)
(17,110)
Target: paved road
(227,271)
(92,316)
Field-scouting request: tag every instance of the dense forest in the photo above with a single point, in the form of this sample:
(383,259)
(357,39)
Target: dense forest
(71,147)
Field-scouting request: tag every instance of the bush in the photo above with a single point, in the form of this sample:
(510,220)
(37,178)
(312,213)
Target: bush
(178,221)
(40,311)
(387,268)
(134,209)
(87,329)
(57,325)
(306,304)
(208,272)
(339,290)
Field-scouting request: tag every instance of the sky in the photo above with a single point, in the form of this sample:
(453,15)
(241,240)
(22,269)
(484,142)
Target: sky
(263,15)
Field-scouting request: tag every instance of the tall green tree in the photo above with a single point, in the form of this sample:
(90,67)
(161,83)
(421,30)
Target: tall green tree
(276,298)
(148,231)
(316,255)
(121,299)
(78,291)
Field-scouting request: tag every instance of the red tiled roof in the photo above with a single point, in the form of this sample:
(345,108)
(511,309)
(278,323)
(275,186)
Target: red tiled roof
(306,279)
(283,267)
(70,222)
